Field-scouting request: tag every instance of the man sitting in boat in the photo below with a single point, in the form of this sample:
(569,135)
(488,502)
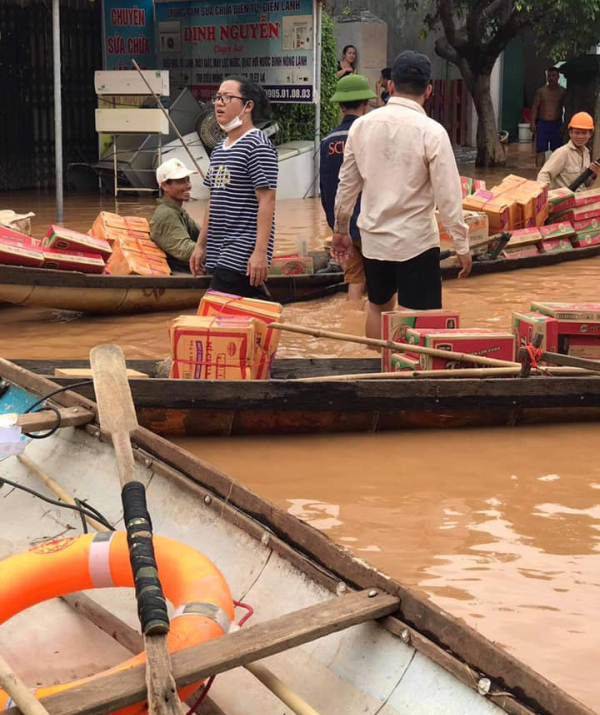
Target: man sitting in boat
(571,160)
(171,227)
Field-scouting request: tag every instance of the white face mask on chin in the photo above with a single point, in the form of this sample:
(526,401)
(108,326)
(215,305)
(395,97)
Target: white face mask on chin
(235,123)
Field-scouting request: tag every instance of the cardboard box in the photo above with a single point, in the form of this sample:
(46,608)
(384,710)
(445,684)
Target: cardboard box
(524,237)
(404,362)
(487,343)
(67,240)
(466,183)
(557,230)
(107,224)
(477,223)
(263,312)
(542,216)
(583,346)
(17,249)
(586,225)
(555,245)
(560,200)
(395,323)
(145,246)
(292,266)
(125,262)
(578,213)
(573,318)
(73,261)
(527,325)
(212,348)
(88,372)
(520,251)
(585,198)
(584,239)
(498,209)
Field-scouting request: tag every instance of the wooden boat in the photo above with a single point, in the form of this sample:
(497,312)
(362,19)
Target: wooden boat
(502,265)
(66,290)
(284,406)
(344,636)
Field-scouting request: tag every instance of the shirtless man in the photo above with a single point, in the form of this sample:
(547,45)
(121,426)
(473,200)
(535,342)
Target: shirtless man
(547,116)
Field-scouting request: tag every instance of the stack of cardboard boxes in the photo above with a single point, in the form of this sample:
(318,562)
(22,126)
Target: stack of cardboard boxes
(18,249)
(229,339)
(68,250)
(133,251)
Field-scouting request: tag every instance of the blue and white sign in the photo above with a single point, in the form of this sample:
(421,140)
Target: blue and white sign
(272,42)
(128,34)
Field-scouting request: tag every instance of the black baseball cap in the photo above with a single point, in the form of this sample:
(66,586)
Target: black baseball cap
(411,66)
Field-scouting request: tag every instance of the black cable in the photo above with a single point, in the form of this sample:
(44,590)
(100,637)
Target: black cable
(83,510)
(51,407)
(84,526)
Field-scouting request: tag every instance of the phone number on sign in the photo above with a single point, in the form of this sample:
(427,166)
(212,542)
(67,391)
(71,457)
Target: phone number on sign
(286,94)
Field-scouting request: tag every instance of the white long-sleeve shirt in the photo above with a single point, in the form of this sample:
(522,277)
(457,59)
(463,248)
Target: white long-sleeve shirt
(403,163)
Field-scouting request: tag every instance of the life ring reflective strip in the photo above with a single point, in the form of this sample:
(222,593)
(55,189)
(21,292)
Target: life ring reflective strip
(191,582)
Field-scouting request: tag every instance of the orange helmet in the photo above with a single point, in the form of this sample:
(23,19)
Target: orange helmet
(581,120)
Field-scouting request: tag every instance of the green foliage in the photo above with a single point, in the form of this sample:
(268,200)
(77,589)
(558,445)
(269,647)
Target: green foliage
(297,121)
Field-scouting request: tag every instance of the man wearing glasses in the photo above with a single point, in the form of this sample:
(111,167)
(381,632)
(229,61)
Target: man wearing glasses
(236,240)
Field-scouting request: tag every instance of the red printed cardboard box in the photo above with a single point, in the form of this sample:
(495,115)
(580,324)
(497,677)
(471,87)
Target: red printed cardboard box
(395,323)
(587,224)
(472,341)
(555,245)
(524,237)
(520,251)
(584,198)
(73,261)
(586,238)
(578,213)
(573,318)
(212,348)
(17,249)
(527,325)
(560,200)
(67,240)
(264,312)
(557,230)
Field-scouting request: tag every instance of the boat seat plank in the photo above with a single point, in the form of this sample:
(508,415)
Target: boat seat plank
(231,651)
(46,419)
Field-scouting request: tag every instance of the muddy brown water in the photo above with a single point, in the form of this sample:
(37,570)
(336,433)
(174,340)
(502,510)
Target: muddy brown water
(499,526)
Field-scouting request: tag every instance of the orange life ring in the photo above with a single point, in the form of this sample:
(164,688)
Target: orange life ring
(193,584)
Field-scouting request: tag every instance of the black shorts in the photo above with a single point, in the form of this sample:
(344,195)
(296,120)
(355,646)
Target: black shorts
(225,280)
(418,281)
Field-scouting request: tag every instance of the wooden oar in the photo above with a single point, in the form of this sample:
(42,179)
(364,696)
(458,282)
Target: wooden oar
(23,698)
(117,418)
(390,344)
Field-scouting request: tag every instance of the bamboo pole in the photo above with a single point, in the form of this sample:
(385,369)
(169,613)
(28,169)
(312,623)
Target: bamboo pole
(169,119)
(22,696)
(391,345)
(484,372)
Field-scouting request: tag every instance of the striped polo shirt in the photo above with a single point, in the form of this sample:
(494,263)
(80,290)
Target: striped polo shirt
(235,172)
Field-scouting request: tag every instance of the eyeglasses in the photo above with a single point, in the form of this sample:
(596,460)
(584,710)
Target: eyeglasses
(225,98)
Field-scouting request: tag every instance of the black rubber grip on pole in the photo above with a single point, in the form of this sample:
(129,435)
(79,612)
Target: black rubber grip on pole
(152,606)
(581,179)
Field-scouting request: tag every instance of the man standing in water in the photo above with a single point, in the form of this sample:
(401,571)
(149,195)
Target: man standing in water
(547,116)
(404,164)
(353,95)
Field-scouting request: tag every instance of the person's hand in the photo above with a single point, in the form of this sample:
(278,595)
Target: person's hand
(532,128)
(341,247)
(197,260)
(595,168)
(258,268)
(466,262)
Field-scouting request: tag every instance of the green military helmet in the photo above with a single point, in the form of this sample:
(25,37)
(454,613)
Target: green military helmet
(353,88)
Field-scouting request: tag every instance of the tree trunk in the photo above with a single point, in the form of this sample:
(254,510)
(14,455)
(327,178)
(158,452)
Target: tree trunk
(490,151)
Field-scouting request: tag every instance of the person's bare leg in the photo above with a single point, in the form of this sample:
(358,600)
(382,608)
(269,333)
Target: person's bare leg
(355,291)
(540,158)
(373,324)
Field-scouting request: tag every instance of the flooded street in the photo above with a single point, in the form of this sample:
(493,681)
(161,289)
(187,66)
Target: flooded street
(499,526)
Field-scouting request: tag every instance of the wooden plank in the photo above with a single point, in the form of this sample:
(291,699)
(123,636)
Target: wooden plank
(231,651)
(47,420)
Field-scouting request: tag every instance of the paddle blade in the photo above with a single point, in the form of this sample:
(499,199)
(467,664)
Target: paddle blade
(113,395)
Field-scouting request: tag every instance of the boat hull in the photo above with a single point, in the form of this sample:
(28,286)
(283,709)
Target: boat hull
(102,294)
(284,406)
(419,659)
